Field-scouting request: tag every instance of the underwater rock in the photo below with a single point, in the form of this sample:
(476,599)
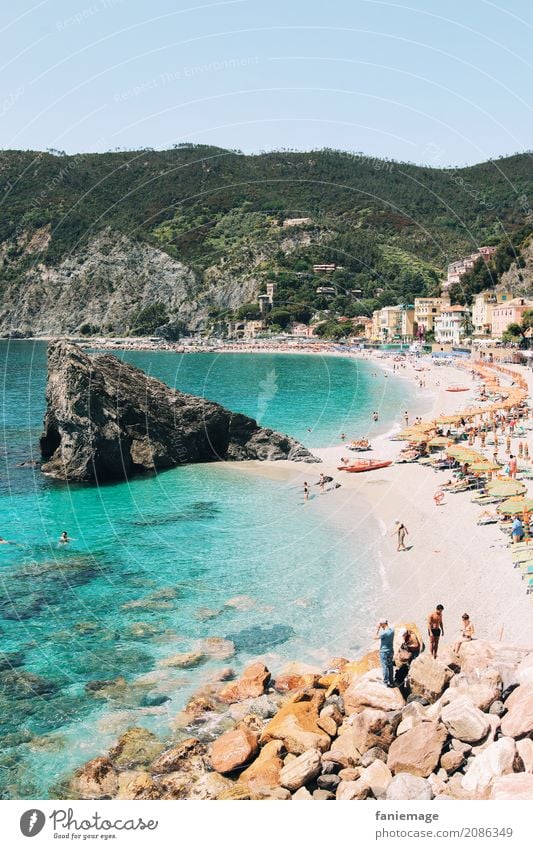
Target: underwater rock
(258,639)
(106,420)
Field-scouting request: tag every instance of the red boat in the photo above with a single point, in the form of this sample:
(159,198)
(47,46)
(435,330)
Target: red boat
(365,465)
(457,389)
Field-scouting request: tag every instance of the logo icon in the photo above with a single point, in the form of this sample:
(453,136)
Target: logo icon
(32,822)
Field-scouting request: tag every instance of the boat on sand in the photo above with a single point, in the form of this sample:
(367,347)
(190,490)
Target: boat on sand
(364,465)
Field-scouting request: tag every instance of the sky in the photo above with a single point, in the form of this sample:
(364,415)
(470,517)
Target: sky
(425,81)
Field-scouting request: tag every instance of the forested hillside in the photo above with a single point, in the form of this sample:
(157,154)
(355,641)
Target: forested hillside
(82,232)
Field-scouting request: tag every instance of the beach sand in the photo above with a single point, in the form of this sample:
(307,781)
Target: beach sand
(451,560)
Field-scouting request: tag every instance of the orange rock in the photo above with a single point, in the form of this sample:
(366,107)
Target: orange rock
(251,685)
(296,724)
(264,772)
(233,749)
(353,670)
(297,676)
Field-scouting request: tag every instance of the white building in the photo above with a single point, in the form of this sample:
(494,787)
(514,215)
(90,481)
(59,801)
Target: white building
(449,325)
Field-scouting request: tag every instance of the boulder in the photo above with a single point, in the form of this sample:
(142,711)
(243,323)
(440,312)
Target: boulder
(302,795)
(452,761)
(428,677)
(418,750)
(302,769)
(465,721)
(136,747)
(409,787)
(296,725)
(524,748)
(210,785)
(297,676)
(498,759)
(275,794)
(494,727)
(107,420)
(413,714)
(373,754)
(368,691)
(185,660)
(328,782)
(233,749)
(378,777)
(97,779)
(343,751)
(251,684)
(327,724)
(371,728)
(180,757)
(137,785)
(513,787)
(524,671)
(265,770)
(321,795)
(482,687)
(348,790)
(518,721)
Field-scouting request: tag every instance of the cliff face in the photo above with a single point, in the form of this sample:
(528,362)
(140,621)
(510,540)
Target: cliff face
(105,284)
(106,420)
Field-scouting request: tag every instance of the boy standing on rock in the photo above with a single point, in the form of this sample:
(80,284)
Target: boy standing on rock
(435,629)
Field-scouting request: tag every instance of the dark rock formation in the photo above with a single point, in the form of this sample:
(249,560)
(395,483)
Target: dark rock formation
(106,420)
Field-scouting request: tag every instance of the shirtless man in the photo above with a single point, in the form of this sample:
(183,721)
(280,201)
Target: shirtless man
(435,629)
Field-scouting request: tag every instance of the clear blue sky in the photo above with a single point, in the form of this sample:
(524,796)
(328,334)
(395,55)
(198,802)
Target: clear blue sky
(443,83)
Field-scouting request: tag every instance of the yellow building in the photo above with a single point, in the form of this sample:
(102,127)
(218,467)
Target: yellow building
(426,311)
(396,324)
(482,309)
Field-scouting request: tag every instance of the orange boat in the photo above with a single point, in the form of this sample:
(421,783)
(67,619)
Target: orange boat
(365,465)
(457,389)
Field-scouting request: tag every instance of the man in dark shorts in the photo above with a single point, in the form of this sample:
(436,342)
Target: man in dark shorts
(435,629)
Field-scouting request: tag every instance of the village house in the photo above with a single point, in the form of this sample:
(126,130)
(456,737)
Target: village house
(426,311)
(508,312)
(482,308)
(450,325)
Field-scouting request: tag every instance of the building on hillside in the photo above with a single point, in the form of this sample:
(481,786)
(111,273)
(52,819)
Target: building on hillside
(296,222)
(326,290)
(508,312)
(244,329)
(303,331)
(271,291)
(450,325)
(396,324)
(367,333)
(264,304)
(426,311)
(484,303)
(457,269)
(325,267)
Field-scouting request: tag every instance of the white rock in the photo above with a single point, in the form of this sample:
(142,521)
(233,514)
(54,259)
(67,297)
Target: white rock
(301,770)
(495,761)
(465,721)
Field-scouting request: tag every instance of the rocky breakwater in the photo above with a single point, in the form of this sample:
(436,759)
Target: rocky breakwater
(106,420)
(462,729)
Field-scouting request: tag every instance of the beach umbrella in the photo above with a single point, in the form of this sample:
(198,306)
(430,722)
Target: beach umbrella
(506,487)
(484,466)
(438,442)
(514,506)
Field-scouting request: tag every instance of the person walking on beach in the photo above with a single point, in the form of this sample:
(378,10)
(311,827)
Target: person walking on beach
(321,481)
(401,532)
(306,491)
(406,418)
(385,634)
(513,466)
(466,632)
(435,629)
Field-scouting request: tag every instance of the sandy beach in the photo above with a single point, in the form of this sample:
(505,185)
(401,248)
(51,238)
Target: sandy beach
(451,560)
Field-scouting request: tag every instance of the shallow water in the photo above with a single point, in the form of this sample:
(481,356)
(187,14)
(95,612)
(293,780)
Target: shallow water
(154,562)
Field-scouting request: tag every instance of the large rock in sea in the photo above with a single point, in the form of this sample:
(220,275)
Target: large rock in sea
(106,420)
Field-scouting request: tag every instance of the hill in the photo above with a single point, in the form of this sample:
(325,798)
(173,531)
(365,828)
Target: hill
(130,240)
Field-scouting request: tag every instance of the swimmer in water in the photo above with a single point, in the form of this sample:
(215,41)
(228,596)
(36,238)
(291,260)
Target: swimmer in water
(64,539)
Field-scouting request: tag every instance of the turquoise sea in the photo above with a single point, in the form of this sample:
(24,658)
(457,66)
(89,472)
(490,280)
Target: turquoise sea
(154,562)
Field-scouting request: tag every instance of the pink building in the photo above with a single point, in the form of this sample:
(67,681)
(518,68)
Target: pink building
(508,312)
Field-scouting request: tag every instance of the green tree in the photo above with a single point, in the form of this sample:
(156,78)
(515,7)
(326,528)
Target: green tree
(148,319)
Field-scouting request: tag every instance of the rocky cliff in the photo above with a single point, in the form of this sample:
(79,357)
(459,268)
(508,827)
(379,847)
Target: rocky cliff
(107,420)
